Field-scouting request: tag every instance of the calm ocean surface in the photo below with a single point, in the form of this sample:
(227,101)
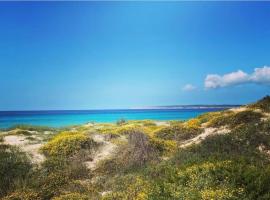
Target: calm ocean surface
(67,118)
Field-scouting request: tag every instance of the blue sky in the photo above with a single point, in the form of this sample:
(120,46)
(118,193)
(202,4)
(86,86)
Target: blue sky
(89,55)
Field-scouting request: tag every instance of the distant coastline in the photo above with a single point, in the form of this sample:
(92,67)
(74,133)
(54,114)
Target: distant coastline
(225,106)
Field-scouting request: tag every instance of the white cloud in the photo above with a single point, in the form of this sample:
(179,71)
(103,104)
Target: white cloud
(260,75)
(188,87)
(234,78)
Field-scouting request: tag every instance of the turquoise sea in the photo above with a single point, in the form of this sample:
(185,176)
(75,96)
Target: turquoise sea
(62,118)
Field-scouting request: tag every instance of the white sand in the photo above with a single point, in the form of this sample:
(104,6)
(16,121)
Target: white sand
(238,109)
(105,151)
(25,145)
(207,132)
(161,123)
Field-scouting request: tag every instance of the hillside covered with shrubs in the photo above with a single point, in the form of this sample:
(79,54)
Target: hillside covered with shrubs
(221,156)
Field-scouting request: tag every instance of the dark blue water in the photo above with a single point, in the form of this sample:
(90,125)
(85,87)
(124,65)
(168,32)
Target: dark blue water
(67,118)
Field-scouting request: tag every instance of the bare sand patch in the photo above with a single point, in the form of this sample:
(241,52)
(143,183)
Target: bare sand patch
(207,132)
(238,109)
(104,152)
(25,145)
(161,123)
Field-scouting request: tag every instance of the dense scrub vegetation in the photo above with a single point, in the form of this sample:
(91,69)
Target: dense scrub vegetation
(263,104)
(14,168)
(149,162)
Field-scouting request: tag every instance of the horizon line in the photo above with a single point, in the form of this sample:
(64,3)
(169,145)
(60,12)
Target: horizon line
(168,107)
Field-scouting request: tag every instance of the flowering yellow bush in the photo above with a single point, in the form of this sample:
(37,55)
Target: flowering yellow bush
(219,194)
(137,189)
(164,146)
(127,129)
(206,117)
(192,124)
(67,144)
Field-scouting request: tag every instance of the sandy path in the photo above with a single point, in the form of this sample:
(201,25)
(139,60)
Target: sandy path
(162,123)
(105,151)
(207,132)
(21,142)
(238,109)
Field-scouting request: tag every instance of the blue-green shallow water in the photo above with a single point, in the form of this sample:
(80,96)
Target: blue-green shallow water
(67,118)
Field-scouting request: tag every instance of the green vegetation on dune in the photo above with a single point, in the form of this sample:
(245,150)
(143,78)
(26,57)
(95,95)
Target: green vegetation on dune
(263,104)
(233,120)
(31,128)
(15,167)
(148,162)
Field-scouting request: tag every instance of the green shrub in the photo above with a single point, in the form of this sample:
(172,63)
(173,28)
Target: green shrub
(163,146)
(177,132)
(56,175)
(263,104)
(121,122)
(72,196)
(14,168)
(51,184)
(23,132)
(129,187)
(25,194)
(32,128)
(206,117)
(235,119)
(139,150)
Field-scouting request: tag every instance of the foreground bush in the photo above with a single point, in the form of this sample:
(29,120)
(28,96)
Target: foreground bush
(139,150)
(23,195)
(72,196)
(57,174)
(217,180)
(222,180)
(14,168)
(129,187)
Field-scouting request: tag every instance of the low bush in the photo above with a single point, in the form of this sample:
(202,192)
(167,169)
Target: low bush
(235,119)
(206,117)
(57,175)
(177,132)
(67,144)
(128,129)
(263,104)
(192,124)
(32,128)
(163,146)
(25,194)
(139,150)
(24,132)
(129,187)
(72,196)
(15,167)
(121,122)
